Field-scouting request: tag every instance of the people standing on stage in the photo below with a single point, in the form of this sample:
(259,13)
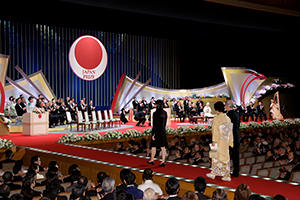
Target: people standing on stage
(186,105)
(159,137)
(166,105)
(260,111)
(135,103)
(140,117)
(235,120)
(223,138)
(140,106)
(23,104)
(19,108)
(179,111)
(235,107)
(31,105)
(250,111)
(193,112)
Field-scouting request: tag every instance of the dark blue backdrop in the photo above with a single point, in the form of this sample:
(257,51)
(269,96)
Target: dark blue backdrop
(37,47)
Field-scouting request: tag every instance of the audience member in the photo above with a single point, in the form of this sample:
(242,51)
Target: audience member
(149,194)
(28,185)
(131,189)
(7,178)
(148,182)
(200,186)
(219,194)
(242,192)
(8,156)
(108,186)
(4,192)
(172,189)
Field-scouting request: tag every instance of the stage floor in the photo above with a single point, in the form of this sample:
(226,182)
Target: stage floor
(183,171)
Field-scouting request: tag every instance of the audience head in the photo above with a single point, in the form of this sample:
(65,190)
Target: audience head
(279,197)
(123,174)
(100,177)
(35,160)
(219,194)
(17,197)
(149,194)
(129,178)
(190,196)
(8,153)
(242,192)
(219,106)
(4,190)
(172,186)
(7,177)
(72,168)
(18,169)
(122,195)
(200,184)
(108,184)
(256,197)
(148,174)
(77,191)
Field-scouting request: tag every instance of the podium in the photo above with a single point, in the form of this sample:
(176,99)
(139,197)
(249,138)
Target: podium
(168,110)
(35,124)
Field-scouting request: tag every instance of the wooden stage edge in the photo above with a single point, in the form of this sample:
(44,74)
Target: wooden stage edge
(90,168)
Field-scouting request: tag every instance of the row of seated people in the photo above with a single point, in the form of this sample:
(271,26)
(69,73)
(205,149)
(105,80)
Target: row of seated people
(54,186)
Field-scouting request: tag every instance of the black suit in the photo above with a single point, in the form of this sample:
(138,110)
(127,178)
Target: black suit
(260,113)
(174,198)
(235,119)
(23,106)
(250,112)
(140,116)
(19,110)
(180,113)
(202,196)
(135,104)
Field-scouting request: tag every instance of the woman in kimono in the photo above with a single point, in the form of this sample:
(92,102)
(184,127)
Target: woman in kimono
(223,138)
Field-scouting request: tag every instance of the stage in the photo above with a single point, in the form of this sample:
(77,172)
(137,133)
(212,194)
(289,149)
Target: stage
(185,172)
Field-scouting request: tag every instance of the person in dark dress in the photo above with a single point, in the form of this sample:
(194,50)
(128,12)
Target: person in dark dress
(123,117)
(159,137)
(235,119)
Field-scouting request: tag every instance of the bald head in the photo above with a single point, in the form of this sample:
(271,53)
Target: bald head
(149,194)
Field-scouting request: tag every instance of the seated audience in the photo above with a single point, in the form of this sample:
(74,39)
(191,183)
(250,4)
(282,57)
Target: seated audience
(244,145)
(108,186)
(4,192)
(8,156)
(148,182)
(172,189)
(28,185)
(120,147)
(242,192)
(70,170)
(219,194)
(18,172)
(149,194)
(77,192)
(122,195)
(76,174)
(131,189)
(200,186)
(190,196)
(197,158)
(270,155)
(37,160)
(123,174)
(7,178)
(279,197)
(52,191)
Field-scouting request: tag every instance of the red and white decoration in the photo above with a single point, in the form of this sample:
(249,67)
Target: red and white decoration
(88,58)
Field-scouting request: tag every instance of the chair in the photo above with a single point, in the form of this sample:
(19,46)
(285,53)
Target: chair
(204,164)
(268,164)
(245,169)
(247,154)
(274,172)
(114,119)
(261,158)
(100,120)
(263,172)
(107,120)
(250,149)
(295,176)
(94,120)
(255,167)
(250,160)
(80,121)
(70,120)
(242,161)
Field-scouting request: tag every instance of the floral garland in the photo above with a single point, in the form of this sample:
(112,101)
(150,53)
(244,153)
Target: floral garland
(5,144)
(132,133)
(267,88)
(5,120)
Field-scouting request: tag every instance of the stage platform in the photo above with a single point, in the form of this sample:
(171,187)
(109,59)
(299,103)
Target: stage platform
(186,172)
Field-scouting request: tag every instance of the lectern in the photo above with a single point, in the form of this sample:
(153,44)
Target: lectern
(35,124)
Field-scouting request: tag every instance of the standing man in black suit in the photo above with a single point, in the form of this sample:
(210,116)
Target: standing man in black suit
(20,110)
(235,119)
(260,111)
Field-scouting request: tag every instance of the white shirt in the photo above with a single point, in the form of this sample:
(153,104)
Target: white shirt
(150,184)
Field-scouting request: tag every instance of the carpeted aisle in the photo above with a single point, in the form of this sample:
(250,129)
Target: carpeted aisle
(257,185)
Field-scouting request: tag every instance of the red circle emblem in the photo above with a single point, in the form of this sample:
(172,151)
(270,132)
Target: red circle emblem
(88,53)
(88,58)
(40,116)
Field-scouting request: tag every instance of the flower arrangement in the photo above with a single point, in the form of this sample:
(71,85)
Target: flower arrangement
(5,120)
(200,128)
(289,122)
(70,137)
(243,126)
(297,121)
(184,129)
(147,132)
(112,135)
(38,110)
(91,136)
(266,124)
(170,131)
(254,125)
(277,123)
(131,133)
(267,88)
(5,144)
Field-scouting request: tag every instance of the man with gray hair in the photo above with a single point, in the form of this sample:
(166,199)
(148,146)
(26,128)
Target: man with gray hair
(235,120)
(108,186)
(149,194)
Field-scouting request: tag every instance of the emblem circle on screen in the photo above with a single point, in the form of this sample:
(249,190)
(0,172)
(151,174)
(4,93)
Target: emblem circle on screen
(88,57)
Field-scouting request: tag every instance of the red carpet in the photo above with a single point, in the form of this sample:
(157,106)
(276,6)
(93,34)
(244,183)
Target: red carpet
(257,185)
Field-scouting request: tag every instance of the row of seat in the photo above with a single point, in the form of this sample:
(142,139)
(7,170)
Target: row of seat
(96,120)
